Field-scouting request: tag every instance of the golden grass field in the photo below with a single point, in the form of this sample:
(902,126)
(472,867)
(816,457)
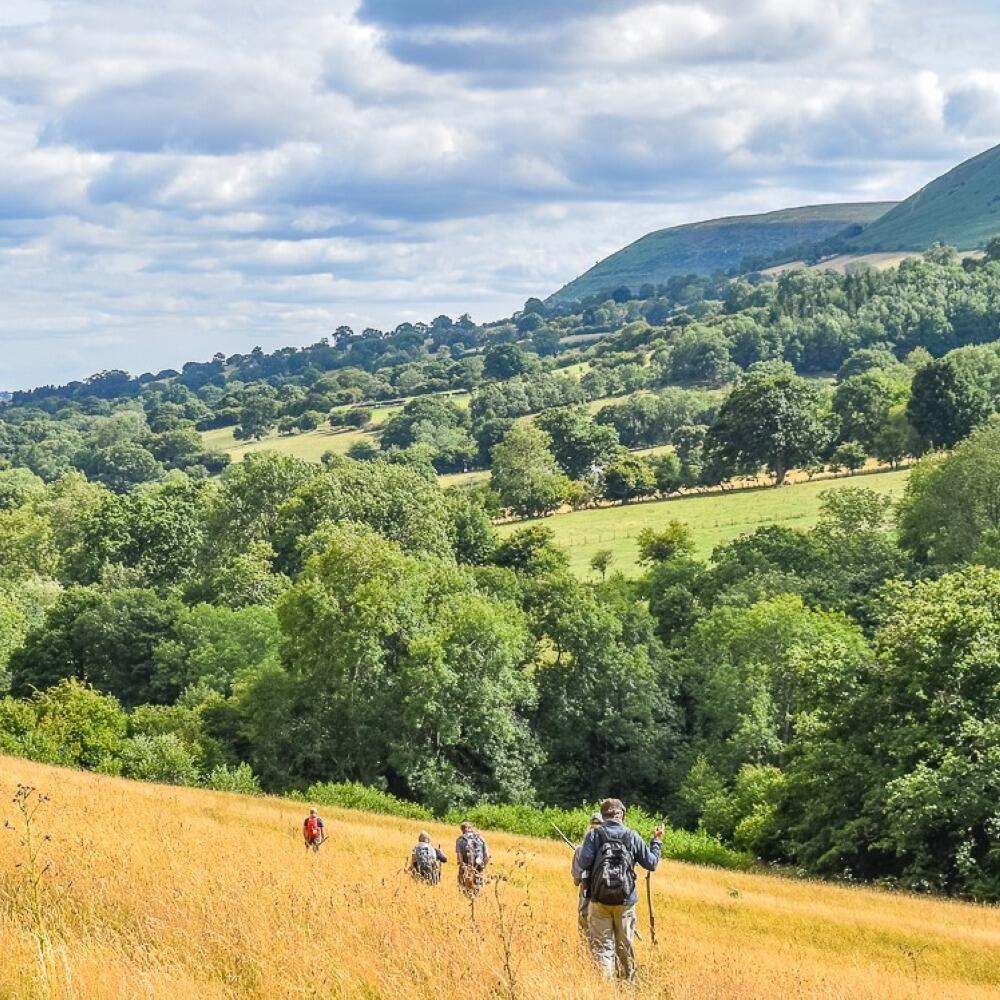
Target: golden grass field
(151,891)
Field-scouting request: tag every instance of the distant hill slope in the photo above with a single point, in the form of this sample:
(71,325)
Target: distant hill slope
(961,208)
(719,244)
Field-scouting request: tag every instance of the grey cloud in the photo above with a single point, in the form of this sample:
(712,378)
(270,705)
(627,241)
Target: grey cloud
(417,13)
(182,111)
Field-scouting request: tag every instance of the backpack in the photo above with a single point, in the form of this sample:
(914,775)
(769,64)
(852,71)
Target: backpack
(424,861)
(473,850)
(612,876)
(312,827)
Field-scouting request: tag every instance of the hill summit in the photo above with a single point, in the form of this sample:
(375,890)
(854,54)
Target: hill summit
(717,245)
(960,208)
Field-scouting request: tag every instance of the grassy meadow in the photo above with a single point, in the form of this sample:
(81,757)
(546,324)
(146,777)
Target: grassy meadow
(132,890)
(714,518)
(310,445)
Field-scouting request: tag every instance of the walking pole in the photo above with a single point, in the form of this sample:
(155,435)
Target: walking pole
(569,843)
(649,901)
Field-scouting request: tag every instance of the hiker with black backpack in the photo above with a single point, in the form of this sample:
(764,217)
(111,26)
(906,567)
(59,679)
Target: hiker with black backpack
(608,856)
(473,857)
(426,861)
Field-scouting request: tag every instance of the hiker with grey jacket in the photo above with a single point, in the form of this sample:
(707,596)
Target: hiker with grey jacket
(580,879)
(608,856)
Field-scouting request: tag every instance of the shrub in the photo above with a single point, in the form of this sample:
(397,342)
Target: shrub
(239,779)
(164,758)
(353,795)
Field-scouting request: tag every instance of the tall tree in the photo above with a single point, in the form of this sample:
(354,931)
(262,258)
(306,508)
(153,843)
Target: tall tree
(526,476)
(772,419)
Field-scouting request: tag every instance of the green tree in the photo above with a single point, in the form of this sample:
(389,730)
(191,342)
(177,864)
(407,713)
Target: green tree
(606,715)
(896,773)
(950,506)
(211,646)
(773,419)
(701,356)
(69,723)
(896,439)
(525,473)
(628,478)
(407,674)
(601,562)
(398,501)
(947,401)
(751,671)
(504,361)
(671,542)
(258,413)
(863,403)
(849,455)
(120,467)
(104,638)
(578,443)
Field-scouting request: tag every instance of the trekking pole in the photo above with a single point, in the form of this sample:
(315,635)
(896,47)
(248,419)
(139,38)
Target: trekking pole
(569,843)
(649,901)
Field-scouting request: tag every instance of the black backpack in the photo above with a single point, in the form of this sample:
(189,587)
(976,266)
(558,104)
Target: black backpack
(612,876)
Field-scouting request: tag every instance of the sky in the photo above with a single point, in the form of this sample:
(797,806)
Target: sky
(183,178)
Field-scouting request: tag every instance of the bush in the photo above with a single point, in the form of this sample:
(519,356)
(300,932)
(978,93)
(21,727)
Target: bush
(352,795)
(239,779)
(164,758)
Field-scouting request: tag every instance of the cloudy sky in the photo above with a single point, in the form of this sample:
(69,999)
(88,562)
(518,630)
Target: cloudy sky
(193,176)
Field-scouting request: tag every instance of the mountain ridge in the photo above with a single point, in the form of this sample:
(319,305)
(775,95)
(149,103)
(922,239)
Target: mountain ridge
(717,244)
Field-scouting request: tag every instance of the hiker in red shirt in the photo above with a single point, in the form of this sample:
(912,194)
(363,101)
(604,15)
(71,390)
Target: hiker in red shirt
(313,830)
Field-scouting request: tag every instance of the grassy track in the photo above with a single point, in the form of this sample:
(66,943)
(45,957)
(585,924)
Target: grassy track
(175,893)
(713,519)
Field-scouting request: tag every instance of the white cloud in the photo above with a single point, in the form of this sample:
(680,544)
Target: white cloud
(227,174)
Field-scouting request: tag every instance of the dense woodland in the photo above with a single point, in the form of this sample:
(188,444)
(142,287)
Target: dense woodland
(826,699)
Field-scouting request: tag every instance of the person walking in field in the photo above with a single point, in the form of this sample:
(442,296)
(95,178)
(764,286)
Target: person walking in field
(473,856)
(313,831)
(426,861)
(580,879)
(608,856)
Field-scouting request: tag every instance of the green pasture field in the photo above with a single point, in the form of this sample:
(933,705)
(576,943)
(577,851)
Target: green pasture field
(714,519)
(311,445)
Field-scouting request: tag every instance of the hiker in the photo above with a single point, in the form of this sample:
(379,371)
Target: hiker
(608,856)
(473,857)
(426,861)
(579,879)
(313,830)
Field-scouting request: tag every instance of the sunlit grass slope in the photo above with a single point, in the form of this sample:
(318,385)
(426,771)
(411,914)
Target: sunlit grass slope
(311,445)
(147,891)
(714,519)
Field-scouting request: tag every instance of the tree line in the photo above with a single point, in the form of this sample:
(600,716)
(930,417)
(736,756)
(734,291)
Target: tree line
(825,699)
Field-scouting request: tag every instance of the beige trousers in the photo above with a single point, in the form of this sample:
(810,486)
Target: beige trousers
(611,930)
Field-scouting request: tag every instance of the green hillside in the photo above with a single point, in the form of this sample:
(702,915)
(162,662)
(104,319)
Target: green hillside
(961,208)
(719,244)
(713,519)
